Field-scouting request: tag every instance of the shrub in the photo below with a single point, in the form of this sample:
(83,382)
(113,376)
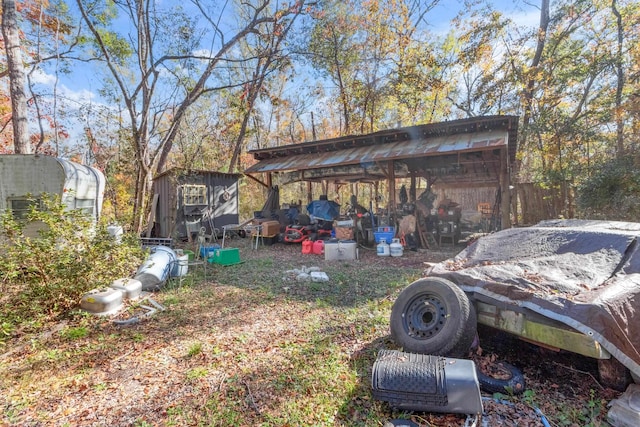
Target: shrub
(612,192)
(43,277)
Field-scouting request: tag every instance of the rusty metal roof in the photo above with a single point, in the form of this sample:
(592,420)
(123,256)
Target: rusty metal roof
(383,152)
(182,171)
(466,135)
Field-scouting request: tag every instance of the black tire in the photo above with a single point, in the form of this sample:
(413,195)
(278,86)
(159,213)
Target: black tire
(433,316)
(513,385)
(303,219)
(614,374)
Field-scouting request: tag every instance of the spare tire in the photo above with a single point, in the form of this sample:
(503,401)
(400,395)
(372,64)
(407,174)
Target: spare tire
(433,316)
(303,219)
(513,383)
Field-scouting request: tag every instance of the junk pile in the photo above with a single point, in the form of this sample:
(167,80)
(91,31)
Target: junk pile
(162,264)
(306,274)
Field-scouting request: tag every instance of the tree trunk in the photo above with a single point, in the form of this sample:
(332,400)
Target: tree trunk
(11,34)
(530,76)
(619,84)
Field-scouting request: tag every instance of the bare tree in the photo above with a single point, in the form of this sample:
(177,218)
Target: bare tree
(170,69)
(11,34)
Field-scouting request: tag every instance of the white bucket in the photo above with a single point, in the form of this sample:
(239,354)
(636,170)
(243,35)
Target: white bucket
(116,232)
(181,266)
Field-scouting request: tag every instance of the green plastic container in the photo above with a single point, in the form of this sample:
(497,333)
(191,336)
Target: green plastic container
(226,256)
(190,254)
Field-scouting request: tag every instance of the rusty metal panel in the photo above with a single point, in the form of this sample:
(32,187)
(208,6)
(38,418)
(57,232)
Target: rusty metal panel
(389,151)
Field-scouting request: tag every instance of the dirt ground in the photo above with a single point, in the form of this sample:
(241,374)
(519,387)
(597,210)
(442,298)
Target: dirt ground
(553,378)
(223,354)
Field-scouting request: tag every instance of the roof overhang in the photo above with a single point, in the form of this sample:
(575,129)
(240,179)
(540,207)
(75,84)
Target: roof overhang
(370,155)
(477,145)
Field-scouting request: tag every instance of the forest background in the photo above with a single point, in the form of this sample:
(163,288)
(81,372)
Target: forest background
(195,84)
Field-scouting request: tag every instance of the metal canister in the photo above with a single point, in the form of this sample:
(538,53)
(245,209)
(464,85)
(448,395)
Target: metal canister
(395,248)
(383,248)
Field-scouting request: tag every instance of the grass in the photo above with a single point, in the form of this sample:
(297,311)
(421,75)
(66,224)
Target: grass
(250,347)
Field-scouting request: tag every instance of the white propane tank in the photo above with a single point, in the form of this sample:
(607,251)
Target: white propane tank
(383,248)
(395,248)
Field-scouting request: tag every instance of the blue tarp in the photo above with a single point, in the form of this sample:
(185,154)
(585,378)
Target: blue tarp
(324,209)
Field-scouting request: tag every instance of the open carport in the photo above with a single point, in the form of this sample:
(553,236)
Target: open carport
(467,162)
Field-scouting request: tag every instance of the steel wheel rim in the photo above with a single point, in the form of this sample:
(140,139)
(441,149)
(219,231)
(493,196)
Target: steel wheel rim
(424,317)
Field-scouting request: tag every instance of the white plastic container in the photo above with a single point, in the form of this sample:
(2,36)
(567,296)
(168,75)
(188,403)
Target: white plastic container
(395,248)
(383,248)
(180,266)
(340,250)
(102,301)
(116,232)
(625,410)
(130,288)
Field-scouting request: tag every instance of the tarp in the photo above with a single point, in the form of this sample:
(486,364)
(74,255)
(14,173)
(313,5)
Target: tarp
(272,203)
(324,209)
(585,274)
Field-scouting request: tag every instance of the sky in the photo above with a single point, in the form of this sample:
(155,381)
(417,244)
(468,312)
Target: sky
(80,87)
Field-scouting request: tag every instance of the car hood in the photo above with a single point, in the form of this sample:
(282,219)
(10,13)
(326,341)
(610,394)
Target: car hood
(585,274)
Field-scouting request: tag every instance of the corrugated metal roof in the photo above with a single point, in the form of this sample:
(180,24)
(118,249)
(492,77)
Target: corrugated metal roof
(180,171)
(389,151)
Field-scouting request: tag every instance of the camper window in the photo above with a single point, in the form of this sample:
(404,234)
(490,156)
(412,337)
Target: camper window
(86,206)
(20,206)
(194,195)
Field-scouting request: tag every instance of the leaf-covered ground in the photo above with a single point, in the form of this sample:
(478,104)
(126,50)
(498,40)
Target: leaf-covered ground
(253,346)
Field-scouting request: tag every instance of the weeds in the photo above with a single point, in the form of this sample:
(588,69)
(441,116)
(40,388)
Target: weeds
(44,277)
(244,349)
(75,333)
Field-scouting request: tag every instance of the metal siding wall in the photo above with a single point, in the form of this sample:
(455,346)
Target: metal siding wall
(169,210)
(225,212)
(165,212)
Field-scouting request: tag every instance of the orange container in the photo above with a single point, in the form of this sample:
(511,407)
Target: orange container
(318,247)
(307,246)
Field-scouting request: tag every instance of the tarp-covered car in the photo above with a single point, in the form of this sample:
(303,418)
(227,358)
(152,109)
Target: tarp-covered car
(566,284)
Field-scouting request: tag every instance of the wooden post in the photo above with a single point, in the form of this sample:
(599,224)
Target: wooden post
(505,184)
(392,189)
(412,189)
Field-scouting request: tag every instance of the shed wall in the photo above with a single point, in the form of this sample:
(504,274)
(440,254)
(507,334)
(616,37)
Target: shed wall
(175,220)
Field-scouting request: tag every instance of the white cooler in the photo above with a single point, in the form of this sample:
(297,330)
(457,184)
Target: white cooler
(341,250)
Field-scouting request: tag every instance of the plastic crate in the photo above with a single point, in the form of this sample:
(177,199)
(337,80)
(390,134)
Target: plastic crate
(228,256)
(383,235)
(147,242)
(386,229)
(209,250)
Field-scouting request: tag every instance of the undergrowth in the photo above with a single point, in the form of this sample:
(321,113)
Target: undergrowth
(51,258)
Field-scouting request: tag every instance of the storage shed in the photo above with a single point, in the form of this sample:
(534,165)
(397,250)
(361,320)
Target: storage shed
(184,201)
(27,176)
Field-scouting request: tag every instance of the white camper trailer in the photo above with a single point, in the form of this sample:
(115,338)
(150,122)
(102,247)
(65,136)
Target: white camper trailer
(26,176)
